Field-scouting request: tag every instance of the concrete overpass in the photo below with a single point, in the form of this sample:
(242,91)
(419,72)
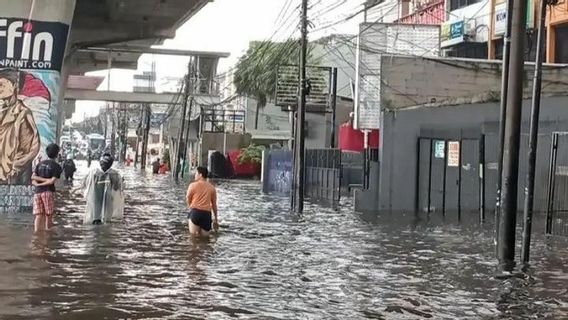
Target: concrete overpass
(139,23)
(135,97)
(120,31)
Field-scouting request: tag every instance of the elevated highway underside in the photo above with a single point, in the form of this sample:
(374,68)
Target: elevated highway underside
(107,23)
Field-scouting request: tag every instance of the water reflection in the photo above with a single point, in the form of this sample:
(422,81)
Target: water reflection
(267,264)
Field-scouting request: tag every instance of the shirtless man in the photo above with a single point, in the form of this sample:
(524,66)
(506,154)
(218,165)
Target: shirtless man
(202,202)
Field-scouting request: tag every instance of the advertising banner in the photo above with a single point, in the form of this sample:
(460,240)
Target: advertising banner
(500,18)
(33,39)
(375,40)
(452,33)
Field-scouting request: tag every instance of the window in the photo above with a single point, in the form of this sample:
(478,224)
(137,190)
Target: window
(471,50)
(530,47)
(499,49)
(458,4)
(561,44)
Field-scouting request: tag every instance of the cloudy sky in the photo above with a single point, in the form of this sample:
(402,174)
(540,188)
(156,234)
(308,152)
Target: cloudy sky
(229,26)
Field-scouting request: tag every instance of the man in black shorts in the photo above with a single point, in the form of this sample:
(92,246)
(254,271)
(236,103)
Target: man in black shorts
(202,202)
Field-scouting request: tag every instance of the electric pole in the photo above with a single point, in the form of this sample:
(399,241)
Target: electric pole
(145,136)
(138,134)
(503,111)
(187,132)
(113,130)
(509,191)
(179,155)
(533,136)
(125,128)
(300,123)
(333,109)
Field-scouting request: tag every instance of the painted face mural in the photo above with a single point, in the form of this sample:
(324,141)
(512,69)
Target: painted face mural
(33,38)
(24,101)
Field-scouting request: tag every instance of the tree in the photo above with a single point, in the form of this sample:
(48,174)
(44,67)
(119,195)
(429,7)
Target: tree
(256,71)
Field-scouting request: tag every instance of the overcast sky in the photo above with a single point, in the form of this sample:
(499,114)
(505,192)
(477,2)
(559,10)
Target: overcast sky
(229,26)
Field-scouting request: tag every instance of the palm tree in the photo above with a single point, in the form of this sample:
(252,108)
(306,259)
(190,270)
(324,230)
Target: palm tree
(256,71)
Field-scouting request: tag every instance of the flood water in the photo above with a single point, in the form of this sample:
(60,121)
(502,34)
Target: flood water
(267,264)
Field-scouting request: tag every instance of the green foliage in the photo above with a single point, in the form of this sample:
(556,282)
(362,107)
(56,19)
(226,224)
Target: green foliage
(252,153)
(167,156)
(256,72)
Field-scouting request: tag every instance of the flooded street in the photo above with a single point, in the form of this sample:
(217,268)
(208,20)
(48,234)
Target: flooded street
(266,264)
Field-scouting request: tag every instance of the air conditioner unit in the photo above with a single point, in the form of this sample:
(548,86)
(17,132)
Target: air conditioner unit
(469,29)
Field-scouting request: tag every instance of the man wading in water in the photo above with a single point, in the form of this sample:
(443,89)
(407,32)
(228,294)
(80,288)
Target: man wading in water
(202,202)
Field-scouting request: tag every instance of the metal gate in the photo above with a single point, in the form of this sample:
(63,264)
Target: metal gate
(557,203)
(278,179)
(451,175)
(323,174)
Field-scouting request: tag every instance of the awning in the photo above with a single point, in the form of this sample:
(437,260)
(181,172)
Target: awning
(278,135)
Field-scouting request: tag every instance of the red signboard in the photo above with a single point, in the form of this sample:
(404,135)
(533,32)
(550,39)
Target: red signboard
(354,140)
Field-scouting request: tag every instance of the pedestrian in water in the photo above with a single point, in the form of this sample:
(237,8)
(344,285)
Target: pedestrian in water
(69,168)
(89,157)
(103,190)
(44,177)
(202,203)
(164,167)
(156,166)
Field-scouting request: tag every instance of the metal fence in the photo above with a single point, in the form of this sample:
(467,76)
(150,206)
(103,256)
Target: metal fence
(541,177)
(323,174)
(557,200)
(449,177)
(352,166)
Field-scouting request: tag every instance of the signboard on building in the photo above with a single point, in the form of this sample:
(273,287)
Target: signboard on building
(374,40)
(32,50)
(319,82)
(452,33)
(500,21)
(440,149)
(453,154)
(500,18)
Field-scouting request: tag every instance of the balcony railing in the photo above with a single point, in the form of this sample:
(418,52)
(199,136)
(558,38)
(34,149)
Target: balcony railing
(433,13)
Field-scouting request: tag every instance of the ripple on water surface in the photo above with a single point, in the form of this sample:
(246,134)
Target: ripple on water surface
(266,264)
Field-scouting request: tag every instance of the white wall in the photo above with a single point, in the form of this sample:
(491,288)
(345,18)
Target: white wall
(478,15)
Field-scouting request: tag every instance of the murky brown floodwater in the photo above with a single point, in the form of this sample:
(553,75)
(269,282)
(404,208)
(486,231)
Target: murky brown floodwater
(266,264)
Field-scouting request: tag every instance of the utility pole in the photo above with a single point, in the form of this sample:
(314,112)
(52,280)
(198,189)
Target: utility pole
(125,127)
(508,219)
(333,108)
(113,130)
(300,123)
(137,151)
(145,136)
(179,154)
(533,136)
(185,150)
(503,111)
(109,67)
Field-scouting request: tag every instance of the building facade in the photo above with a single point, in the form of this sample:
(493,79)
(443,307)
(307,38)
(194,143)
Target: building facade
(465,33)
(557,35)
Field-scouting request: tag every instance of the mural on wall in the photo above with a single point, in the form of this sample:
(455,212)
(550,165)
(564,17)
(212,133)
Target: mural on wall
(31,58)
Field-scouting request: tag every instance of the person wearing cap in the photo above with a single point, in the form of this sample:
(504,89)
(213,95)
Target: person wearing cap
(43,178)
(69,168)
(104,193)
